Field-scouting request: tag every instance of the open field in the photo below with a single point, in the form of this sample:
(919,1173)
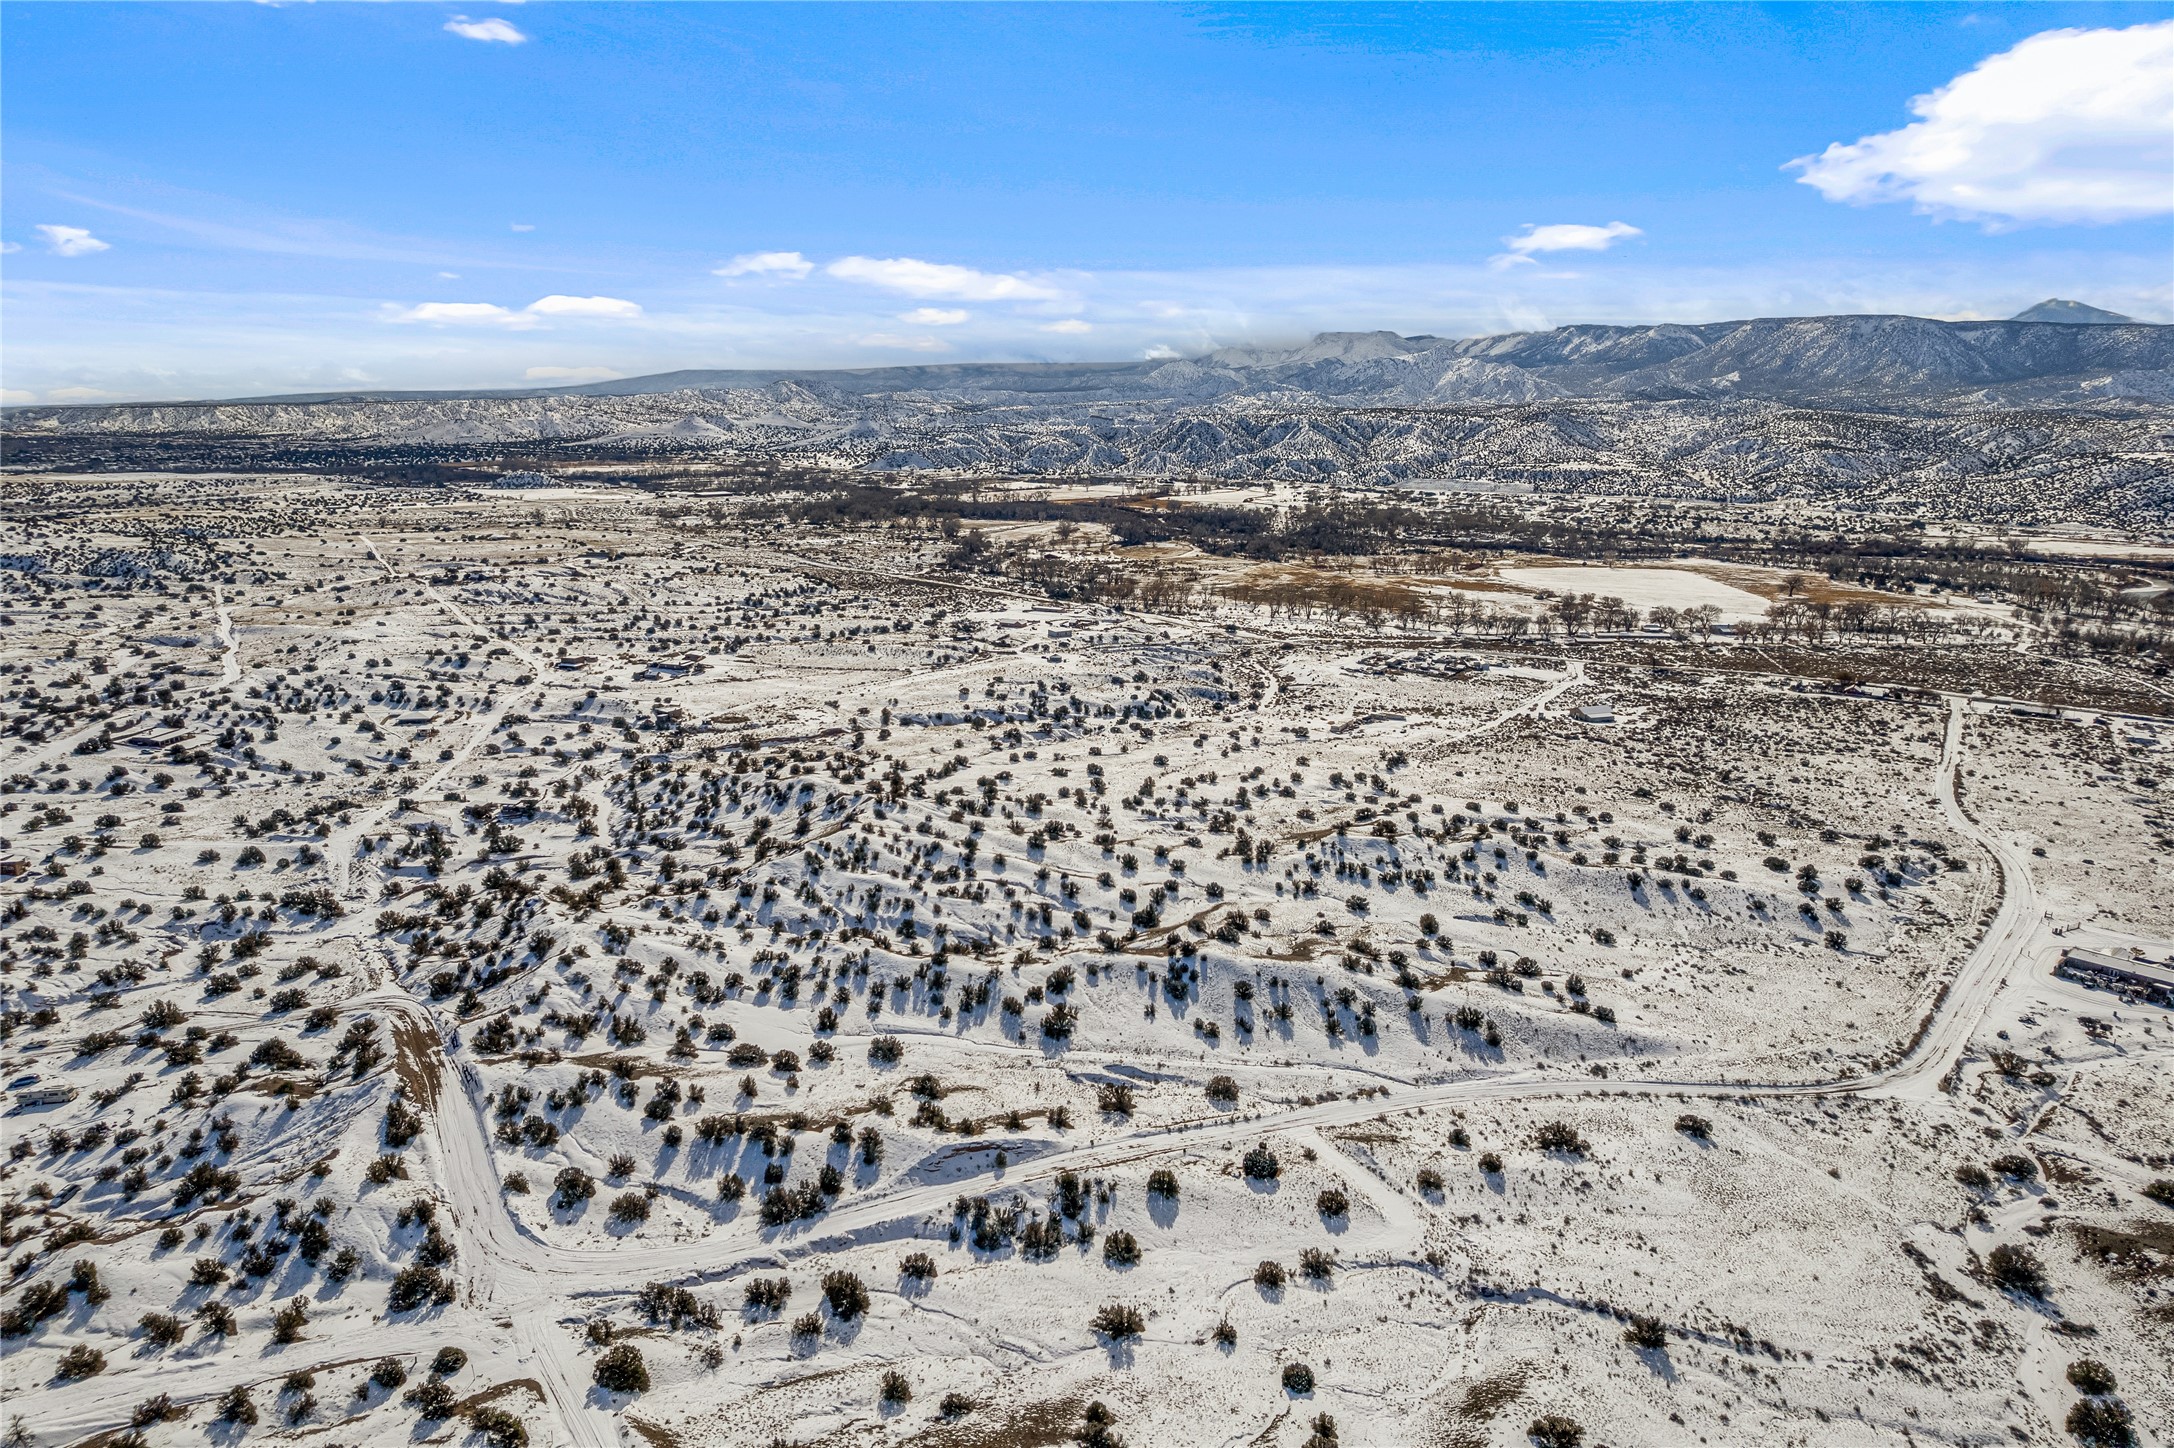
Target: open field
(1645,588)
(654,965)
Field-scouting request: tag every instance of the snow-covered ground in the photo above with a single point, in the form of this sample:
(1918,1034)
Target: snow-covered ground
(455,925)
(1677,588)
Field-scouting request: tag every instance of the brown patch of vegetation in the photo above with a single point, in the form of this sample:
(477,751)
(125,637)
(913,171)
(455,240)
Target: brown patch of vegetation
(1300,588)
(1486,1398)
(1305,948)
(1363,1136)
(417,1061)
(2143,1251)
(1035,1425)
(492,1394)
(2064,1173)
(655,1436)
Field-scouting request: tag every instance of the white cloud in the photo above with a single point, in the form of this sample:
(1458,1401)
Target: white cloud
(788,264)
(1564,236)
(493,29)
(474,313)
(938,280)
(14,396)
(1161,352)
(569,374)
(77,394)
(448,276)
(560,306)
(71,241)
(9,248)
(175,341)
(2068,126)
(522,225)
(490,314)
(895,342)
(1069,327)
(936,316)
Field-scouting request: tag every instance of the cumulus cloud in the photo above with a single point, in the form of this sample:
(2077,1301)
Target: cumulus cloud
(1161,352)
(790,265)
(1564,236)
(2068,126)
(1069,327)
(936,280)
(490,314)
(15,396)
(560,306)
(71,241)
(494,30)
(465,312)
(936,316)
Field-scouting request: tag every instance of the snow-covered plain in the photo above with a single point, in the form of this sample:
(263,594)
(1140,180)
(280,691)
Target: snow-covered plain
(523,924)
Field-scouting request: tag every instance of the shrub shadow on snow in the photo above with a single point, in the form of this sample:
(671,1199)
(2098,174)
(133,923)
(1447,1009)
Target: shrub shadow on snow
(1656,1361)
(294,1278)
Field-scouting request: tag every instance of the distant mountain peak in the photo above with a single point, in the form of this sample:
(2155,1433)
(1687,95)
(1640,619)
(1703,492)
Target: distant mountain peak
(2054,309)
(1325,347)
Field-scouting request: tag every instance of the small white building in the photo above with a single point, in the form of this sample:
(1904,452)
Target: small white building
(1600,711)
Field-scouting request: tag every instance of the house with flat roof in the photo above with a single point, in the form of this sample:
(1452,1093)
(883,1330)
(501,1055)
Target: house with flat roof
(2076,961)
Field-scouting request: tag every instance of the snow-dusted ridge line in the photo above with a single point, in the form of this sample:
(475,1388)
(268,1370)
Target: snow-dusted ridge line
(2013,422)
(1877,360)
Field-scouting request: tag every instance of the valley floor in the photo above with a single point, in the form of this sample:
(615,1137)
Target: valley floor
(486,969)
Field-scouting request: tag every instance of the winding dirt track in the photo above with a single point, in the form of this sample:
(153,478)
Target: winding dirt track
(513,1275)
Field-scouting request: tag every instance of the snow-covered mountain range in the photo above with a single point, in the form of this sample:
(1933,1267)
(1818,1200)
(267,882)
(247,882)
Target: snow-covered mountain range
(2052,418)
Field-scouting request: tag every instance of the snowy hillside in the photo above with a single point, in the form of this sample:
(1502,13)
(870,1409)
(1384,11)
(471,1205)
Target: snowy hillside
(2000,421)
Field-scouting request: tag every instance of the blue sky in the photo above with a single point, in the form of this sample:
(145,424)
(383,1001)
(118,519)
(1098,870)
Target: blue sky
(213,200)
